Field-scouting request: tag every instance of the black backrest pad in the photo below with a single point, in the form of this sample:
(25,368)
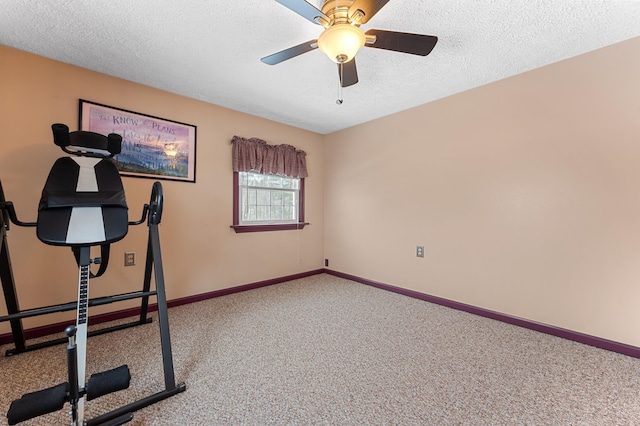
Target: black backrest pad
(83,203)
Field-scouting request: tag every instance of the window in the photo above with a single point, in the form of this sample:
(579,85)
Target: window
(267,199)
(268,186)
(265,202)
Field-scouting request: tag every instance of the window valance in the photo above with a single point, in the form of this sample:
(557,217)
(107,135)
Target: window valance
(255,155)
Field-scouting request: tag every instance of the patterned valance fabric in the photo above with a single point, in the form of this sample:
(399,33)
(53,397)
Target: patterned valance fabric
(255,155)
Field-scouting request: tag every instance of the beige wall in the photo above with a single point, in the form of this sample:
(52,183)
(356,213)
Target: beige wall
(524,192)
(200,252)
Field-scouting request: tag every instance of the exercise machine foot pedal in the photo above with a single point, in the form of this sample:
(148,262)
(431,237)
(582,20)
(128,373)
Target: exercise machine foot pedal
(36,404)
(109,381)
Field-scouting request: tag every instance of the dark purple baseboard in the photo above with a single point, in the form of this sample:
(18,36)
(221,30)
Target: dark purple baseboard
(598,342)
(59,327)
(238,289)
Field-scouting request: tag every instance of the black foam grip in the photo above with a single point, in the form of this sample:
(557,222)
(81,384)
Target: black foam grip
(108,381)
(156,203)
(114,143)
(35,404)
(61,134)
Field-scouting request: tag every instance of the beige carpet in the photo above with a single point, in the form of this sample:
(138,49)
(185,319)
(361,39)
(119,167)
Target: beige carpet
(328,351)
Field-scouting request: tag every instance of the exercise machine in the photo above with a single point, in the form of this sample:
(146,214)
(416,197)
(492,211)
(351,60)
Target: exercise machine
(82,206)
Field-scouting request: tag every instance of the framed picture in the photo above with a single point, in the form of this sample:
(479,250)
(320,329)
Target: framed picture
(152,147)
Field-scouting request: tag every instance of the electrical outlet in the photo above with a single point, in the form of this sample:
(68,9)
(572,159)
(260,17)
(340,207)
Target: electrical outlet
(326,263)
(419,251)
(129,258)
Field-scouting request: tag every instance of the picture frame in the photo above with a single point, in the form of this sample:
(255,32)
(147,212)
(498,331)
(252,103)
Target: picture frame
(152,147)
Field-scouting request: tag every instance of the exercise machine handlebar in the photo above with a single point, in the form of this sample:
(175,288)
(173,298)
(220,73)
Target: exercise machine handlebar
(154,208)
(8,209)
(9,212)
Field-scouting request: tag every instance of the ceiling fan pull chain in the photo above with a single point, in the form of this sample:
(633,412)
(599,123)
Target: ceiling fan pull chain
(340,100)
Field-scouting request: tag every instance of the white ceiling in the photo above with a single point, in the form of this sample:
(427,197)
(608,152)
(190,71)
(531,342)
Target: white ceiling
(210,49)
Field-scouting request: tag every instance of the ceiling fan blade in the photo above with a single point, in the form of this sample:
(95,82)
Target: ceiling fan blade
(369,7)
(304,9)
(415,44)
(291,52)
(348,73)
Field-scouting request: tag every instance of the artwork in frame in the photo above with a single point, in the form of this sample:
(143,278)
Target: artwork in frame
(152,147)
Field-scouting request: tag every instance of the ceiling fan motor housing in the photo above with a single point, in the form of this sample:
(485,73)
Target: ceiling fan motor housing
(338,11)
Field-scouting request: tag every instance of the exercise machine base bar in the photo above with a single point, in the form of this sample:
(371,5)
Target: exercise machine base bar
(23,347)
(137,405)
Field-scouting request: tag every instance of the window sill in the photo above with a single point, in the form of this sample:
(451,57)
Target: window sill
(262,228)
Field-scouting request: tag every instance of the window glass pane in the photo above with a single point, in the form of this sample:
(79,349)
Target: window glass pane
(275,181)
(267,198)
(263,197)
(249,213)
(262,213)
(251,199)
(242,178)
(288,213)
(276,212)
(260,180)
(276,198)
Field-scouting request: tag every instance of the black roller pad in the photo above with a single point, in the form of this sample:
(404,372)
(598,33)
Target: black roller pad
(36,404)
(100,384)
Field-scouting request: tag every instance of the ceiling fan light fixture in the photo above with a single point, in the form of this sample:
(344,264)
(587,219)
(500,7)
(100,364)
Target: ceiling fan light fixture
(341,42)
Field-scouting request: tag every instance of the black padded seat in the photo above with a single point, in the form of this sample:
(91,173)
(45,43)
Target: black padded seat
(82,204)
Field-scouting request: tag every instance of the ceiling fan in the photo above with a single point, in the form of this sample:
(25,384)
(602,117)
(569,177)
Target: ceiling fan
(342,36)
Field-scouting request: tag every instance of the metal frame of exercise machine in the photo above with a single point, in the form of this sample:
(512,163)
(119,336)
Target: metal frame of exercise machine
(77,388)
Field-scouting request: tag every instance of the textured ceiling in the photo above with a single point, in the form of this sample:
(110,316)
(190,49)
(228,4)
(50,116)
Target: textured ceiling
(211,50)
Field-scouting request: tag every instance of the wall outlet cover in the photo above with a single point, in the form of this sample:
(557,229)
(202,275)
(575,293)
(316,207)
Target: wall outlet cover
(129,258)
